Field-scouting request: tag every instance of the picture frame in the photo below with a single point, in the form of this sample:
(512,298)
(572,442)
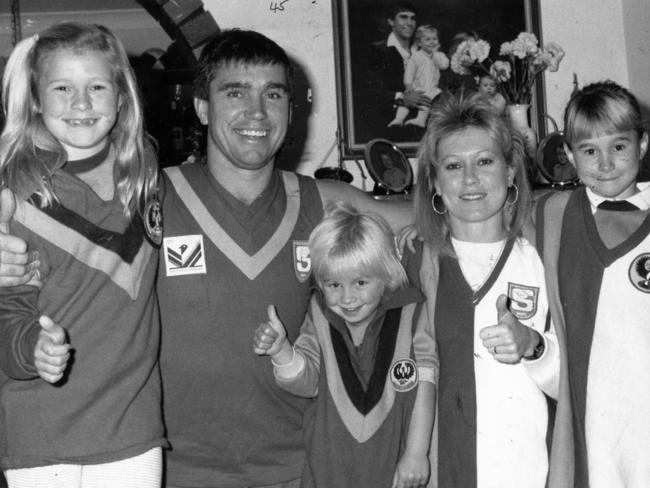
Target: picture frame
(388,167)
(553,163)
(364,100)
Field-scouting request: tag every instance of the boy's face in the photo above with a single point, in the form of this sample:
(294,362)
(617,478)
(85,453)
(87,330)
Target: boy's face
(353,297)
(429,42)
(609,165)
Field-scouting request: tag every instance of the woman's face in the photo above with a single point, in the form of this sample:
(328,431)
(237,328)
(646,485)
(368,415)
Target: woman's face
(473,179)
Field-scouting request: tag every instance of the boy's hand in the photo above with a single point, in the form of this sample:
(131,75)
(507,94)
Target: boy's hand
(411,472)
(270,336)
(509,339)
(406,238)
(52,352)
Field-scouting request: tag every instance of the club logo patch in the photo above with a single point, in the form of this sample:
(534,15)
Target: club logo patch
(523,300)
(301,260)
(184,255)
(153,221)
(639,272)
(404,374)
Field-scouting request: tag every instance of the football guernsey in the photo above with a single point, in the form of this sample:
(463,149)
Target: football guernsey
(228,423)
(492,416)
(97,272)
(606,303)
(364,405)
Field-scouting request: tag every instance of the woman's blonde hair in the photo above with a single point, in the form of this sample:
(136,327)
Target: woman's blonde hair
(25,136)
(349,241)
(448,117)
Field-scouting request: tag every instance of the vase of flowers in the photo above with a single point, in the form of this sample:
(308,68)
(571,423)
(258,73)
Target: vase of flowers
(519,64)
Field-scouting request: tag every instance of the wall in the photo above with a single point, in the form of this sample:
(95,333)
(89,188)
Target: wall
(610,40)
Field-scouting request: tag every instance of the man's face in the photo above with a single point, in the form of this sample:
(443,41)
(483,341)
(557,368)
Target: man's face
(403,25)
(247,114)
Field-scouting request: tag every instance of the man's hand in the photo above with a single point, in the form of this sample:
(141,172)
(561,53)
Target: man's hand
(416,99)
(17,266)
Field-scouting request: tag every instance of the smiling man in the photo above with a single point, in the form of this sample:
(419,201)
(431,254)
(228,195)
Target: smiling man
(384,79)
(236,232)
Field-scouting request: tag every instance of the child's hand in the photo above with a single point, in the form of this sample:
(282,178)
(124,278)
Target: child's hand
(406,237)
(270,336)
(412,471)
(509,340)
(52,352)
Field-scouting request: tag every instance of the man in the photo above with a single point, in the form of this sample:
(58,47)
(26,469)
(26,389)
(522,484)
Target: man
(235,242)
(384,80)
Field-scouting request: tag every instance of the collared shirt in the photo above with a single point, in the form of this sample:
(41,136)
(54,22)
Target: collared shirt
(392,41)
(641,199)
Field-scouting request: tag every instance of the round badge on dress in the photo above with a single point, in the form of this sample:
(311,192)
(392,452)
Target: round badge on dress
(153,221)
(404,374)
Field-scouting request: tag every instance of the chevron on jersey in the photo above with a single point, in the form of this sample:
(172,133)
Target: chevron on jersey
(250,266)
(361,427)
(103,250)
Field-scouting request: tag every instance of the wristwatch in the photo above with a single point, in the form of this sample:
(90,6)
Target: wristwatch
(538,350)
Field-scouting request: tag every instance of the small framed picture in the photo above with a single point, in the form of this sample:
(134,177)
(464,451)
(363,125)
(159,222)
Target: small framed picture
(388,166)
(553,163)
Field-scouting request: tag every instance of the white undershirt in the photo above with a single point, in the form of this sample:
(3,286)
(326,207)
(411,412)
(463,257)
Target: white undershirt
(477,260)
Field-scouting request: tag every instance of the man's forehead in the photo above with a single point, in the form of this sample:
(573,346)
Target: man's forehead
(242,70)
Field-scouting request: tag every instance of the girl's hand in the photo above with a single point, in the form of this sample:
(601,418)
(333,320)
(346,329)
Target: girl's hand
(509,340)
(412,471)
(52,353)
(270,335)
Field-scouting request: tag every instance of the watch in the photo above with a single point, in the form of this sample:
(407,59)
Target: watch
(538,350)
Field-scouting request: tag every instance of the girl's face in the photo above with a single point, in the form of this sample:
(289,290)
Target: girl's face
(353,297)
(609,165)
(472,179)
(429,42)
(79,100)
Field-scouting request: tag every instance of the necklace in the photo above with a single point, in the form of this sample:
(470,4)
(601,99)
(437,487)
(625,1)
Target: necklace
(477,261)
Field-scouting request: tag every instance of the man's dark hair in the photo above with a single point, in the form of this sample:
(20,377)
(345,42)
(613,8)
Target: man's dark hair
(235,46)
(397,7)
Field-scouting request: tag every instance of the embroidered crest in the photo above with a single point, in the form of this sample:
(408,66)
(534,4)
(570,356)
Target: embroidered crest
(639,272)
(301,260)
(153,221)
(404,374)
(184,255)
(523,300)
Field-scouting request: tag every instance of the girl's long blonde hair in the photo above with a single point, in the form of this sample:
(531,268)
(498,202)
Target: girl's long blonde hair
(25,136)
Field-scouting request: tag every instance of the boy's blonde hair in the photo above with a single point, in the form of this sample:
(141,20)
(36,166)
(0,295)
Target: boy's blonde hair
(25,136)
(448,117)
(349,241)
(601,108)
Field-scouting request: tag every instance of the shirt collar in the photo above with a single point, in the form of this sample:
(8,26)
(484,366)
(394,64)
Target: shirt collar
(392,41)
(641,199)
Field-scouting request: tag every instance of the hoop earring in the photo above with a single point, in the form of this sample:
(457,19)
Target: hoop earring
(514,200)
(433,204)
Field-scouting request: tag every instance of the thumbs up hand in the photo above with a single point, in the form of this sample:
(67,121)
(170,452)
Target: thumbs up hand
(509,339)
(17,266)
(271,339)
(52,351)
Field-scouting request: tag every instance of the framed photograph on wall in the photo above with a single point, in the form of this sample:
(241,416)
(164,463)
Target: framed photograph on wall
(369,74)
